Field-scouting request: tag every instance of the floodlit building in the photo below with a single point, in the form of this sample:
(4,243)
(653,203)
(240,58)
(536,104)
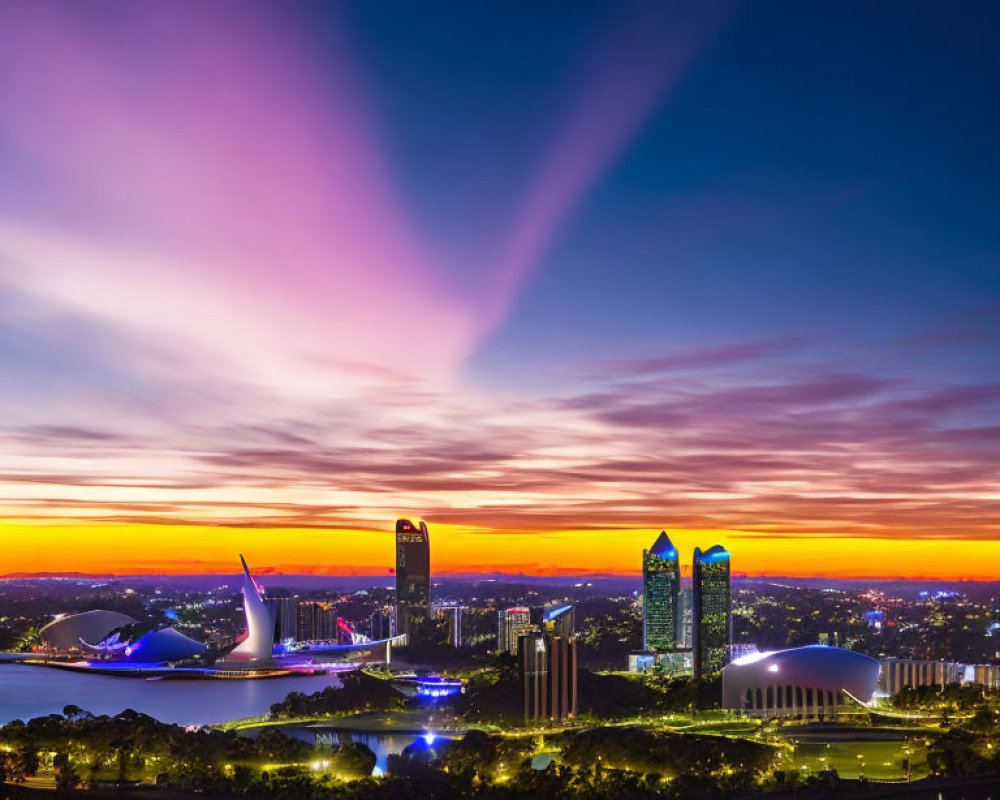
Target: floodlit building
(512,623)
(72,631)
(134,645)
(986,675)
(712,610)
(413,574)
(661,585)
(898,673)
(256,649)
(813,681)
(548,669)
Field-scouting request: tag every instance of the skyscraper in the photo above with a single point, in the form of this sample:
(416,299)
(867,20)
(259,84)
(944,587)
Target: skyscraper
(511,624)
(661,584)
(712,595)
(317,622)
(413,574)
(560,621)
(548,668)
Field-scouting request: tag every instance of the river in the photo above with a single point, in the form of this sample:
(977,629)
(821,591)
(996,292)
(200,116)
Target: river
(34,691)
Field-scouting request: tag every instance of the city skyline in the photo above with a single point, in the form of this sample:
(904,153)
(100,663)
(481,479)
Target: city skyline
(272,277)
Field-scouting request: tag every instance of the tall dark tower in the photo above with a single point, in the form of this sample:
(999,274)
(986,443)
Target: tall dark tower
(661,584)
(712,601)
(413,574)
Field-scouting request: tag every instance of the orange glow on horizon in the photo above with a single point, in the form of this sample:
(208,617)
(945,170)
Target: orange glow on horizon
(32,547)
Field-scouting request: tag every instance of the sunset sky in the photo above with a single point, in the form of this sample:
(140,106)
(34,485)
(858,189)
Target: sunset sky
(550,276)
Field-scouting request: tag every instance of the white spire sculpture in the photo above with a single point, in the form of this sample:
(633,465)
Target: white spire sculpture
(259,644)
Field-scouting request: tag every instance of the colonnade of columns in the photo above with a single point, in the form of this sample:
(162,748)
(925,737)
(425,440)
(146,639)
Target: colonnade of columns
(786,700)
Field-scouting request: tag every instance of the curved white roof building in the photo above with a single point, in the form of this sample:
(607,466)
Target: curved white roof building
(258,646)
(804,681)
(72,631)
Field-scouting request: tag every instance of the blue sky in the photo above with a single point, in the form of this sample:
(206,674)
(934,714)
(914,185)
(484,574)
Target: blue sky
(507,266)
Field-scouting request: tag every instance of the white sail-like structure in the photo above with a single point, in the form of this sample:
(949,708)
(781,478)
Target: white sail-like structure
(259,644)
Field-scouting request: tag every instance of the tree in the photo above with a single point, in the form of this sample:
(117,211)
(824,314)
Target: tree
(353,760)
(24,763)
(66,777)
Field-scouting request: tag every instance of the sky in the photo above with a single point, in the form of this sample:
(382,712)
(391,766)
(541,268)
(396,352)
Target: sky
(550,276)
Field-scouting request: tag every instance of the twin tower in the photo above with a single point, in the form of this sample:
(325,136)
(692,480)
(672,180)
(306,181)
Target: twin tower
(711,605)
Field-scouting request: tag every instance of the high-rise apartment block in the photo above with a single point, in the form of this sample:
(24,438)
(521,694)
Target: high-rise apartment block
(413,575)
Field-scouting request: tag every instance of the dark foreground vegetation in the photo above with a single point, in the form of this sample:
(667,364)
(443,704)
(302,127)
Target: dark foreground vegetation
(80,751)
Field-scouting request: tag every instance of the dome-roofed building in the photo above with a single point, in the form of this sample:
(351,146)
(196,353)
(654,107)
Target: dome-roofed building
(70,632)
(138,644)
(801,682)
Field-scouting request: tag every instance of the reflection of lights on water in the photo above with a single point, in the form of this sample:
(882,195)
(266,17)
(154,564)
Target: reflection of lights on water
(429,738)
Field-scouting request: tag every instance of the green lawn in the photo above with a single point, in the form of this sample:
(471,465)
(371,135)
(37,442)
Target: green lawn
(880,760)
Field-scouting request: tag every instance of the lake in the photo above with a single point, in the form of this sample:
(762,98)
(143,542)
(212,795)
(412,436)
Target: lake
(33,691)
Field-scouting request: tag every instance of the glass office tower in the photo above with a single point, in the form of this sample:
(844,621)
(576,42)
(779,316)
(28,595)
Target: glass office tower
(661,584)
(413,575)
(712,596)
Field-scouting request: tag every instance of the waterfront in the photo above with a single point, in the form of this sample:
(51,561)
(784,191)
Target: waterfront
(34,691)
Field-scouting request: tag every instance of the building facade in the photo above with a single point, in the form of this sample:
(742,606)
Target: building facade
(986,675)
(899,673)
(661,586)
(712,625)
(284,613)
(382,624)
(413,575)
(802,682)
(548,670)
(453,616)
(560,621)
(512,623)
(316,622)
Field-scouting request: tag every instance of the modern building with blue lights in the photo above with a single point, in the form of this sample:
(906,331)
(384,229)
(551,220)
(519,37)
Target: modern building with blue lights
(661,585)
(560,621)
(712,600)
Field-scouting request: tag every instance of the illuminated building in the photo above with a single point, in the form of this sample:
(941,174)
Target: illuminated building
(382,624)
(316,622)
(548,669)
(898,673)
(138,645)
(661,583)
(256,649)
(284,611)
(560,622)
(987,675)
(675,662)
(413,575)
(712,610)
(511,624)
(453,615)
(685,616)
(70,632)
(813,681)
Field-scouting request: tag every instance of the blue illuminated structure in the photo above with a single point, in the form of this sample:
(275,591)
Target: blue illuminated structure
(712,601)
(560,621)
(153,647)
(661,585)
